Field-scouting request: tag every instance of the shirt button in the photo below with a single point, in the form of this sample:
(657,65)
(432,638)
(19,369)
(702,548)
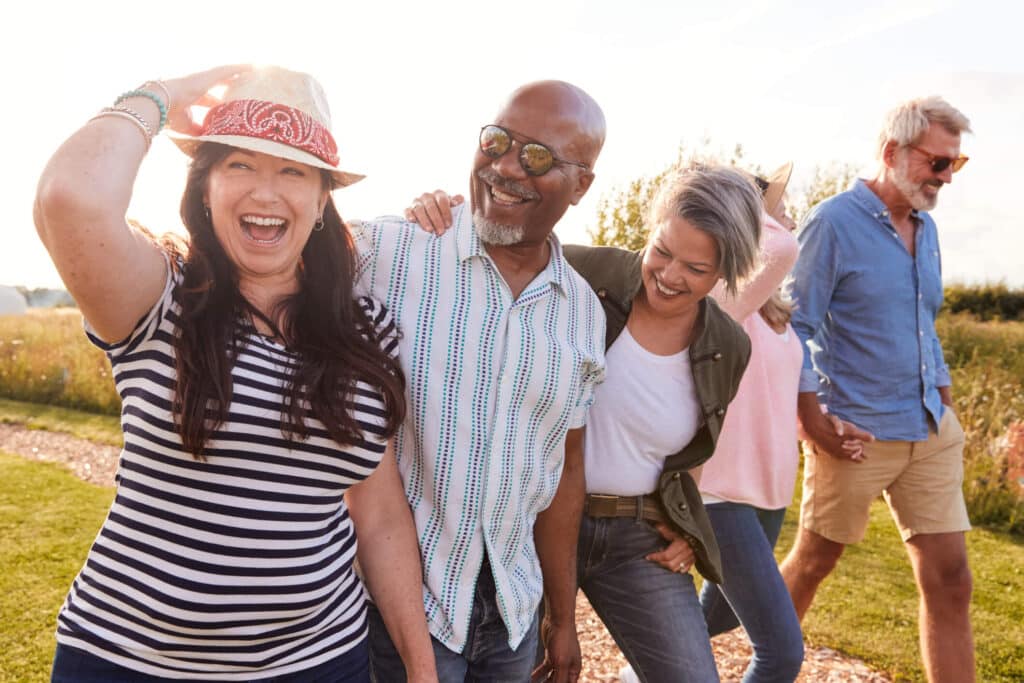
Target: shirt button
(920,296)
(920,333)
(924,367)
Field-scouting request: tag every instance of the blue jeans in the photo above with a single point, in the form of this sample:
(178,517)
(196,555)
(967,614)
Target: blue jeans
(487,657)
(753,593)
(71,665)
(652,613)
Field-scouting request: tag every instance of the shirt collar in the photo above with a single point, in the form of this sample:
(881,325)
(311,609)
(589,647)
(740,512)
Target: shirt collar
(874,204)
(468,245)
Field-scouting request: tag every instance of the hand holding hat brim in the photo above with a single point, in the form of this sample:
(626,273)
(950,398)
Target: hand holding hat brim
(194,91)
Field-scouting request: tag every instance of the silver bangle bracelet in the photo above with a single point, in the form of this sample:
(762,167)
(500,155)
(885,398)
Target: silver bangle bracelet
(130,115)
(163,88)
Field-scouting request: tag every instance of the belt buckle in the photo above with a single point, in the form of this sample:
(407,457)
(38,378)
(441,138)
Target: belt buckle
(602,505)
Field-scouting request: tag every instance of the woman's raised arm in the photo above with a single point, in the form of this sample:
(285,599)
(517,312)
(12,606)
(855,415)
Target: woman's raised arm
(778,254)
(114,272)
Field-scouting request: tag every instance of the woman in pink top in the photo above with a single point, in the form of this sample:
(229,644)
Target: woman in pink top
(749,482)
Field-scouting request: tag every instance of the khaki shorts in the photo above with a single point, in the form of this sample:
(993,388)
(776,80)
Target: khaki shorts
(922,482)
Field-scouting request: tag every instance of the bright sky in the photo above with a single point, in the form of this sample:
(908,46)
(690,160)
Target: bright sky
(411,83)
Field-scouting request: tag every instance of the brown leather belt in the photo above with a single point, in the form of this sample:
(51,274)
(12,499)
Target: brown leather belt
(641,507)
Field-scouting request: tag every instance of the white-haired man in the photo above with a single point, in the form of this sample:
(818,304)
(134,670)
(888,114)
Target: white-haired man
(867,287)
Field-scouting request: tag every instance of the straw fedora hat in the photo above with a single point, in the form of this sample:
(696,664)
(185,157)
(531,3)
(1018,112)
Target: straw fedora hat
(278,112)
(774,186)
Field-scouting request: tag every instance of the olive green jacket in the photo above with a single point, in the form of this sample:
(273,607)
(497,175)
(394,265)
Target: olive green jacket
(718,356)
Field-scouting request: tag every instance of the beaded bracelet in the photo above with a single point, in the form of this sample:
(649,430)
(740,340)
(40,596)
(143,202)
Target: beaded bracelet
(153,96)
(131,115)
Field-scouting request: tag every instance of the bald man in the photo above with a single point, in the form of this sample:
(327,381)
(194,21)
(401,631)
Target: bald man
(503,344)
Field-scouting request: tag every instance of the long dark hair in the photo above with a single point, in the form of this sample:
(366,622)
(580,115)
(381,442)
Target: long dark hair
(335,343)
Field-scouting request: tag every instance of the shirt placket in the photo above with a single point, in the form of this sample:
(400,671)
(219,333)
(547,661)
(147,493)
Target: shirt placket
(919,253)
(502,421)
(919,313)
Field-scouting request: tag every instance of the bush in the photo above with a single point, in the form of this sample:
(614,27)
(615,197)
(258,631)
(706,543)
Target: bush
(986,361)
(987,302)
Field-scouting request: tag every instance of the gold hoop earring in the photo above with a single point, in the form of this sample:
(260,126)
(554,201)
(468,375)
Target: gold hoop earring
(319,225)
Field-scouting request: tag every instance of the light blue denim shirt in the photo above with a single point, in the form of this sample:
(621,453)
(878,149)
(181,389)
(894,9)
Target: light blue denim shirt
(865,311)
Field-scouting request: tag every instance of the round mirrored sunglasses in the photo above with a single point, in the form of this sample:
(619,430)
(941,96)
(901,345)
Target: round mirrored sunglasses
(535,158)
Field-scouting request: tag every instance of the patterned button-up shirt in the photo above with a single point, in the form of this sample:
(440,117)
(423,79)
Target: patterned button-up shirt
(865,310)
(493,385)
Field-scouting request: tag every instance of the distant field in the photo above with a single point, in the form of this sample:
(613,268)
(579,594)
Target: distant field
(45,358)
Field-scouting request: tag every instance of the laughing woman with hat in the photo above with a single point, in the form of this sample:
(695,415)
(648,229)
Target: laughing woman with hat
(258,399)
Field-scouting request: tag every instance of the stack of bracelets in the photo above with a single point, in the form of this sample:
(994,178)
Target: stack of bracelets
(121,109)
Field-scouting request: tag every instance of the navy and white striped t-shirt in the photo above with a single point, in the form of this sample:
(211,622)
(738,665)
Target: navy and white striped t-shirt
(236,566)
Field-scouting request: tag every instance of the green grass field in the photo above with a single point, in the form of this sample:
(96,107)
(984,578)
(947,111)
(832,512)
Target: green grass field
(867,608)
(105,429)
(48,519)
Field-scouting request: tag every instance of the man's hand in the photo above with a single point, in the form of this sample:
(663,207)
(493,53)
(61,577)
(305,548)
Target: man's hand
(678,556)
(562,657)
(829,434)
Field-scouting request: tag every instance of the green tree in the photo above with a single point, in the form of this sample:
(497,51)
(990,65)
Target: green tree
(828,179)
(622,213)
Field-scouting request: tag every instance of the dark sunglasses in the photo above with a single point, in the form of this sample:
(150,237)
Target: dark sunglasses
(535,158)
(940,164)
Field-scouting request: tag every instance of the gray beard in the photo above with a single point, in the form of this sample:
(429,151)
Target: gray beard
(497,234)
(918,200)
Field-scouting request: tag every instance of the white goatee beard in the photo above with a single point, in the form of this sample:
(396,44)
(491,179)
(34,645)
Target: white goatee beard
(497,234)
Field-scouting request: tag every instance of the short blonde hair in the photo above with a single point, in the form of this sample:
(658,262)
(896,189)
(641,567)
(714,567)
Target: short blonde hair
(908,121)
(722,202)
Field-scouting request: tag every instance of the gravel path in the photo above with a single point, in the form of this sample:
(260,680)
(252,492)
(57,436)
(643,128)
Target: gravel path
(602,660)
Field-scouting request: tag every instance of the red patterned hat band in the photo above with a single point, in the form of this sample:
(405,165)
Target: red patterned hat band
(274,122)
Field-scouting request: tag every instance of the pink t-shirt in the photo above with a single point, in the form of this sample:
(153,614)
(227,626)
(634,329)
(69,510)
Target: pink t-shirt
(756,458)
(755,461)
